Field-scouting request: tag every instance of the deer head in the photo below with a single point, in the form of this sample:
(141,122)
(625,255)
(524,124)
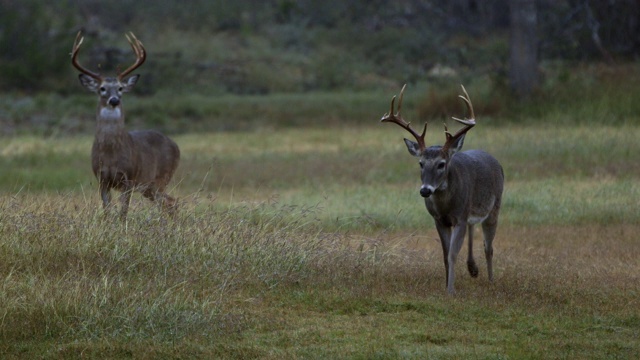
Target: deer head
(109,89)
(435,159)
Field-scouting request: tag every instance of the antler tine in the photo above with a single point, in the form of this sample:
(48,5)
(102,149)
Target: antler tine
(390,113)
(397,119)
(138,49)
(467,100)
(468,123)
(401,97)
(74,57)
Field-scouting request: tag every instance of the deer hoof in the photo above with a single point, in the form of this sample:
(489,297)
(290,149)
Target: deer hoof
(473,269)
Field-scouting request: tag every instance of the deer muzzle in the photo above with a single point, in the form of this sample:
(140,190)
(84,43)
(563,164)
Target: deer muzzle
(426,191)
(114,101)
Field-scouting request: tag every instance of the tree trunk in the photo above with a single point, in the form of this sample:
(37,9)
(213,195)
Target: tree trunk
(523,67)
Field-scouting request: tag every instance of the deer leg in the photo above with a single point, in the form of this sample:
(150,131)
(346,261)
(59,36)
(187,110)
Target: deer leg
(150,193)
(169,204)
(105,194)
(166,202)
(489,232)
(125,200)
(471,263)
(445,239)
(457,238)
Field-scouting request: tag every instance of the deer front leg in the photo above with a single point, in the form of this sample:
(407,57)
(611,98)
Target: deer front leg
(471,263)
(125,199)
(445,240)
(457,238)
(105,194)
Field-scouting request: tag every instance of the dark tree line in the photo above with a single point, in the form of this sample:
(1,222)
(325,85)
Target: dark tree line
(34,35)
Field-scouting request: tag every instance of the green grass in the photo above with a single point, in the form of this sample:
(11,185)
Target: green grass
(363,177)
(314,243)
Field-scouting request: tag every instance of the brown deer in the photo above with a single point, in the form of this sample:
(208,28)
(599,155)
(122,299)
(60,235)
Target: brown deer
(460,189)
(144,160)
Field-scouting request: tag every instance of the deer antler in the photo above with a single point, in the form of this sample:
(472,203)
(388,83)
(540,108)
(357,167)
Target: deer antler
(397,119)
(74,58)
(468,123)
(138,49)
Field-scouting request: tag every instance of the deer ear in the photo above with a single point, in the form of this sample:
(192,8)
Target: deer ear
(129,82)
(456,145)
(89,83)
(413,147)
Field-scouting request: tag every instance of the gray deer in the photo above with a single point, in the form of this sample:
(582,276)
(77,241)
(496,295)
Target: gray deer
(143,161)
(460,189)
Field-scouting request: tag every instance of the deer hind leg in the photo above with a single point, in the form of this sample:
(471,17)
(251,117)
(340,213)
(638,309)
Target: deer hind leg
(168,203)
(471,263)
(489,232)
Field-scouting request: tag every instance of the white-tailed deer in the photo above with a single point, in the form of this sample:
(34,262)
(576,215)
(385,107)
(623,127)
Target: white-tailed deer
(143,161)
(460,189)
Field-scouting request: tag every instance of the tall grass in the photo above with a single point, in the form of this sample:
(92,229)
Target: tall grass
(267,281)
(69,272)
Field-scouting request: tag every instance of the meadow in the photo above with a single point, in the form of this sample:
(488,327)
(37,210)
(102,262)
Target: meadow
(301,232)
(314,243)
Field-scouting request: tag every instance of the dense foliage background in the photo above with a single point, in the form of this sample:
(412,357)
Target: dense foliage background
(253,46)
(247,47)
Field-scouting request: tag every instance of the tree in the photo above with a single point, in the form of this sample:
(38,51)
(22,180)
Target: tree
(523,45)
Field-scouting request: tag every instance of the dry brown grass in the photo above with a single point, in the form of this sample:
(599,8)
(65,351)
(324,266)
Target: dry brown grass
(265,281)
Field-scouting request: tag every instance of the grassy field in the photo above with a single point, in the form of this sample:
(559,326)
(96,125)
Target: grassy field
(314,243)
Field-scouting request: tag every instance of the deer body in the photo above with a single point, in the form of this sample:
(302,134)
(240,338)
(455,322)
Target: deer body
(141,161)
(453,201)
(471,194)
(460,189)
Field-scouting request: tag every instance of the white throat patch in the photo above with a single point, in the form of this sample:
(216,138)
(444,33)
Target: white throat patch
(109,113)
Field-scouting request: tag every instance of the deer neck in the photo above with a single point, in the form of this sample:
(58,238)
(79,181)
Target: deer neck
(110,130)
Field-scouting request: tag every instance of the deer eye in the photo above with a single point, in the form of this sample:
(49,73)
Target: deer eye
(103,89)
(120,89)
(421,165)
(441,165)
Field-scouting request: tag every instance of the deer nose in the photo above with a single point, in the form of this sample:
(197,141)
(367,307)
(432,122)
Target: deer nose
(426,191)
(114,101)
